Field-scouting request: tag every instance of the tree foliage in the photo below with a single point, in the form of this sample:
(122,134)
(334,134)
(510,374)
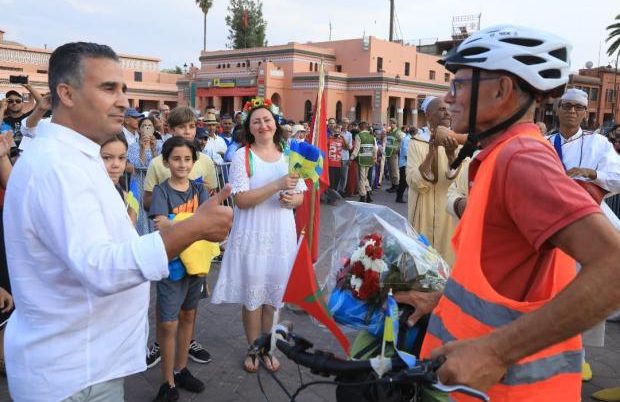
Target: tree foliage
(175,70)
(246,26)
(613,36)
(204,5)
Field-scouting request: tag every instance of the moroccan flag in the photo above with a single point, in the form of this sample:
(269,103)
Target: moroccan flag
(302,214)
(319,119)
(303,290)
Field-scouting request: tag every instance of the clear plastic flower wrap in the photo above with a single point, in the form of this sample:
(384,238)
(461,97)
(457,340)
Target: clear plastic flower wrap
(374,250)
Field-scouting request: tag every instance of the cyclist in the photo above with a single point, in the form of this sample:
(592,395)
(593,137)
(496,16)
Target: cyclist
(509,317)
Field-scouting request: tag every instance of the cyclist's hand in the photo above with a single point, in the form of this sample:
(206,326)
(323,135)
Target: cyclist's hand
(471,362)
(424,303)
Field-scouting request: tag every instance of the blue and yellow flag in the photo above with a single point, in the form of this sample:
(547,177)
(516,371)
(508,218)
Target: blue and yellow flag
(390,331)
(305,160)
(132,197)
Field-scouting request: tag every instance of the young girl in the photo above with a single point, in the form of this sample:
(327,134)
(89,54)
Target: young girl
(114,155)
(177,300)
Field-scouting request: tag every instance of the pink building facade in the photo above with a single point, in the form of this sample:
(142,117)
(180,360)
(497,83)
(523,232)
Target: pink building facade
(366,79)
(147,87)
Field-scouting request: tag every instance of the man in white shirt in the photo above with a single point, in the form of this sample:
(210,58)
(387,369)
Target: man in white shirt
(591,160)
(586,156)
(78,268)
(215,143)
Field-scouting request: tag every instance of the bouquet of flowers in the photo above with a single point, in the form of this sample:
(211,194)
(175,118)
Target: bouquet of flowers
(375,250)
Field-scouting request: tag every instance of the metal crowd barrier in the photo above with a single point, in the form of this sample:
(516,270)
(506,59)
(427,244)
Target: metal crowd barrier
(222,178)
(614,204)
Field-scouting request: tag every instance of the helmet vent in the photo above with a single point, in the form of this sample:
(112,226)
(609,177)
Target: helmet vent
(472,51)
(530,60)
(560,53)
(551,73)
(523,41)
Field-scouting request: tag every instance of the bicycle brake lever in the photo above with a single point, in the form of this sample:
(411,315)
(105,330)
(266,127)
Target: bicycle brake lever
(462,389)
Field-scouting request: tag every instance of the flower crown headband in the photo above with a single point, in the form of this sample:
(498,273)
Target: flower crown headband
(254,103)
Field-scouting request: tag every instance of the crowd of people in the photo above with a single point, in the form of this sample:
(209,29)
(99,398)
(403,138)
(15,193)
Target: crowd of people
(82,245)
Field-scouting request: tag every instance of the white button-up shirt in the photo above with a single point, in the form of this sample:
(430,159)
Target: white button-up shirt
(78,272)
(593,151)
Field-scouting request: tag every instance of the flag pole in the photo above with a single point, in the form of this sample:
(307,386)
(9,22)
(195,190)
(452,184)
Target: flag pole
(316,131)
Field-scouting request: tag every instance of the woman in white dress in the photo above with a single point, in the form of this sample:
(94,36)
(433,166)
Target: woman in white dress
(262,243)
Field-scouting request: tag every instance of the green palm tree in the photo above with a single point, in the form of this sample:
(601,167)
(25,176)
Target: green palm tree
(614,36)
(204,5)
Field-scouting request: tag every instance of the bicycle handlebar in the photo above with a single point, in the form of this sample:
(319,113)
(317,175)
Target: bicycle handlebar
(327,364)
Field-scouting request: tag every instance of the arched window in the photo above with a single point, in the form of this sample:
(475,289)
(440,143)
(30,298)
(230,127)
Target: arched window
(310,66)
(316,67)
(307,110)
(338,111)
(276,99)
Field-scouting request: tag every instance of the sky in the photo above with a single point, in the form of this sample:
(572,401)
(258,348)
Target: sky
(172,30)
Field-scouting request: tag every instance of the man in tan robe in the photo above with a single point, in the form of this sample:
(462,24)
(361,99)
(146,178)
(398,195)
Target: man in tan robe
(429,177)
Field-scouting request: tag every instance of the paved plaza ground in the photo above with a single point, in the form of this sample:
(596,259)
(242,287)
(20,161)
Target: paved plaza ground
(219,329)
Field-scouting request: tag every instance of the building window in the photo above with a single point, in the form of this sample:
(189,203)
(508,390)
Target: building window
(431,75)
(594,94)
(446,77)
(307,110)
(338,68)
(137,76)
(238,65)
(41,71)
(609,95)
(407,68)
(339,111)
(379,64)
(228,65)
(316,67)
(219,66)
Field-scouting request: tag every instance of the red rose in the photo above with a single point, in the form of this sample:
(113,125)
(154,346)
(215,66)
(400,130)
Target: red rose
(377,253)
(357,269)
(370,286)
(369,250)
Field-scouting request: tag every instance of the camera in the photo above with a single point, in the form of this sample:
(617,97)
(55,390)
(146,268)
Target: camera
(18,79)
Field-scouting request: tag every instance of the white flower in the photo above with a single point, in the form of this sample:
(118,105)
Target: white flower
(356,283)
(378,266)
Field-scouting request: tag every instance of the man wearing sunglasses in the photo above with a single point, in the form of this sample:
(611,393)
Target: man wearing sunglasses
(509,318)
(17,110)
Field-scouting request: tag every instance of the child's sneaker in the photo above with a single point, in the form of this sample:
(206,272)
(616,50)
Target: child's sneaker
(184,379)
(198,353)
(167,394)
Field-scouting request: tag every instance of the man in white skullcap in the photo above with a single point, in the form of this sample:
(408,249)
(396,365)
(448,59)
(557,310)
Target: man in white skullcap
(429,176)
(591,160)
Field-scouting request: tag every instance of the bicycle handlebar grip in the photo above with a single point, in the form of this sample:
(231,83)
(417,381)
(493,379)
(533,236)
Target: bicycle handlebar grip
(438,362)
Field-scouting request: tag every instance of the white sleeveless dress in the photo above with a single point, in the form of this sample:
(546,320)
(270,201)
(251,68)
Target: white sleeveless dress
(262,244)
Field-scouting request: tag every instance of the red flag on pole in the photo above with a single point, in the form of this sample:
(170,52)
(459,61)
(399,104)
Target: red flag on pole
(308,215)
(303,290)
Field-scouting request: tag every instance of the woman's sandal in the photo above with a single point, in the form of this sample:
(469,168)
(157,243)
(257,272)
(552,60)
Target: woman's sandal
(251,357)
(268,362)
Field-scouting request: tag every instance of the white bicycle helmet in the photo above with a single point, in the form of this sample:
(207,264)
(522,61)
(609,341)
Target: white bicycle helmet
(538,58)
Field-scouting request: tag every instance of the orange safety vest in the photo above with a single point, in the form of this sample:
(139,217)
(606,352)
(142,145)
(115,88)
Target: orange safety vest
(470,308)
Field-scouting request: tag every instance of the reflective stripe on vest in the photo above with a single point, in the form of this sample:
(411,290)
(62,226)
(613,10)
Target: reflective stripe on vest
(390,144)
(470,307)
(526,373)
